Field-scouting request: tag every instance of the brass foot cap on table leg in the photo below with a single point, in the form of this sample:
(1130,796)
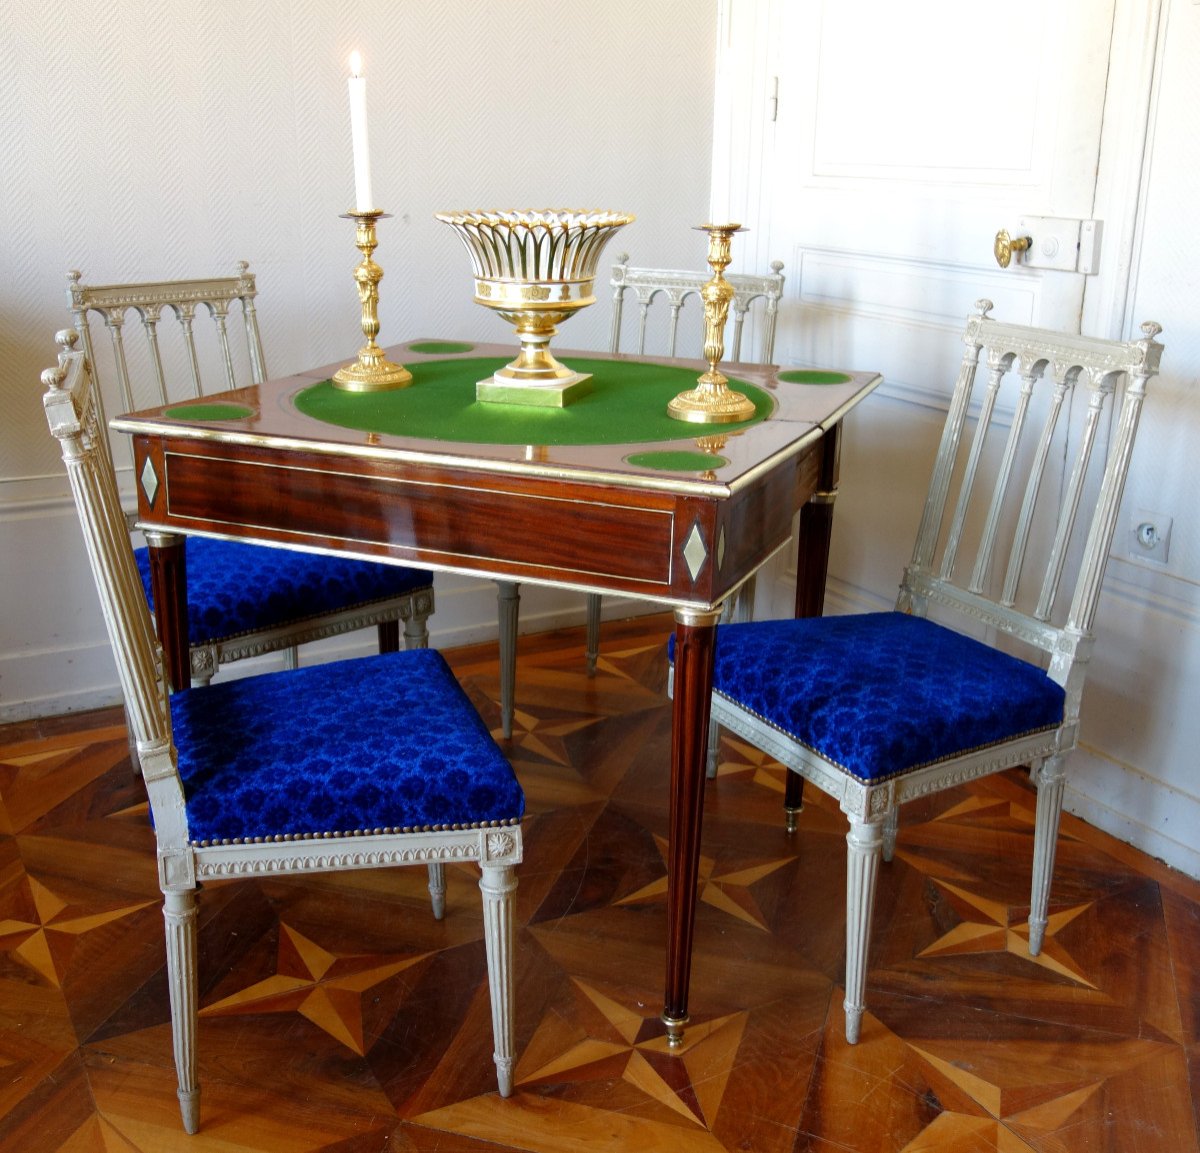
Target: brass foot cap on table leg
(791,819)
(674,1030)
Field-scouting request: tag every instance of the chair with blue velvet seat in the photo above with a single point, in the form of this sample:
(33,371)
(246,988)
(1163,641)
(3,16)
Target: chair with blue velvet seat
(244,600)
(881,708)
(375,762)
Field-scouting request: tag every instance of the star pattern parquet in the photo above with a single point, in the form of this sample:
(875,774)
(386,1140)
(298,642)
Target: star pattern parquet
(337,1015)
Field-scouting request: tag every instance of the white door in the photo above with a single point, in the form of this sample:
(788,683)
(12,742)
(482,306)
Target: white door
(887,145)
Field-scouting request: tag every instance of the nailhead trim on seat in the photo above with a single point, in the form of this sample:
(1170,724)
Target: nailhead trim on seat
(383,832)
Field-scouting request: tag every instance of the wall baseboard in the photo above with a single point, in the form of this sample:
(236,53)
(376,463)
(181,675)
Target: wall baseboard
(1107,795)
(81,676)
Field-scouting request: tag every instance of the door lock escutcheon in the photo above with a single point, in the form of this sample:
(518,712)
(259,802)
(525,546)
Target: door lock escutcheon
(1051,243)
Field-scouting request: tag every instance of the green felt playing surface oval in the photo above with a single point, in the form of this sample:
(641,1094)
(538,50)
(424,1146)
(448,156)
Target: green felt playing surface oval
(627,405)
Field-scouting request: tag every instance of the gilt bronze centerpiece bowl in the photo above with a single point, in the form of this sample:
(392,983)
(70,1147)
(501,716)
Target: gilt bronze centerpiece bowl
(534,268)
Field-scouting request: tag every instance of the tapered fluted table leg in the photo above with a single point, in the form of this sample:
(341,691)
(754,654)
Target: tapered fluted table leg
(812,570)
(592,652)
(816,531)
(168,583)
(694,639)
(508,605)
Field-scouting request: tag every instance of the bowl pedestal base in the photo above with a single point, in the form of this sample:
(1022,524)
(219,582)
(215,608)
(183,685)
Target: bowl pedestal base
(558,393)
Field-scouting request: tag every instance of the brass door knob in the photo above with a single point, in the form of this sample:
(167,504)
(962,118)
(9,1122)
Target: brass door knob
(1006,245)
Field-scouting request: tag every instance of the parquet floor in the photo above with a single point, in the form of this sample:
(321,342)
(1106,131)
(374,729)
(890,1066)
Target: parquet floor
(338,1016)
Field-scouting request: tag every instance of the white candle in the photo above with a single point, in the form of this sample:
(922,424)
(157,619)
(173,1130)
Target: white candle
(363,200)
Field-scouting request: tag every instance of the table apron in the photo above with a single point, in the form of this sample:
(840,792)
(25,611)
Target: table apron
(659,545)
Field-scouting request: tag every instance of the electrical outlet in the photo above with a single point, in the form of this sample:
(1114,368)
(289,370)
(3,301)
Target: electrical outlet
(1150,536)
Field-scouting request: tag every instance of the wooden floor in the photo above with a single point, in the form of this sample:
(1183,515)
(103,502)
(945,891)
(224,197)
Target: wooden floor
(337,1015)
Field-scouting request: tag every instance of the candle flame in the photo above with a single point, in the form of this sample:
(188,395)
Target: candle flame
(356,63)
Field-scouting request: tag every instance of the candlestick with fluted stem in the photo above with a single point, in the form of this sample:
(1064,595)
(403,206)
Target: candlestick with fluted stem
(372,372)
(712,401)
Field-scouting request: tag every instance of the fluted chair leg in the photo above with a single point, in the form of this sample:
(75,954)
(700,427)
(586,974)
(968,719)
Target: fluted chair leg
(864,842)
(179,913)
(416,631)
(291,657)
(437,889)
(499,886)
(1049,778)
(593,632)
(508,604)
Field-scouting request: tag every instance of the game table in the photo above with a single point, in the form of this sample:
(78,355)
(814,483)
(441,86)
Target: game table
(607,495)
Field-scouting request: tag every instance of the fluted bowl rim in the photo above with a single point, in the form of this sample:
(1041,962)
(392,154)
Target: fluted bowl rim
(537,217)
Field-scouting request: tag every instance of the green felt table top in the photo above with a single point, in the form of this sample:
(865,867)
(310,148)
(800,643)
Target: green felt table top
(627,405)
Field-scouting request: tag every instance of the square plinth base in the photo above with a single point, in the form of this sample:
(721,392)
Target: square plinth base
(539,394)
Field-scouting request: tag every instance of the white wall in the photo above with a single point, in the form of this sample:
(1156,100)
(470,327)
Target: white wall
(157,140)
(1136,771)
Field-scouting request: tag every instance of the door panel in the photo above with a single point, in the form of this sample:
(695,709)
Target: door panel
(904,137)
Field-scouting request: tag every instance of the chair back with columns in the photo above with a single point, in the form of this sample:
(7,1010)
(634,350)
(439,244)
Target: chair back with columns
(188,365)
(675,286)
(367,763)
(881,708)
(243,600)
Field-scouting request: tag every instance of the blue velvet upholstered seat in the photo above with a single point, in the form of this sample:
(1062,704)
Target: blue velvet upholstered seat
(388,742)
(881,694)
(235,588)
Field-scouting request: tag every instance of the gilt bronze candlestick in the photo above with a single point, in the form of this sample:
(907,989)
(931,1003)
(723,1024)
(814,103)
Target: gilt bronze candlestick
(372,372)
(712,401)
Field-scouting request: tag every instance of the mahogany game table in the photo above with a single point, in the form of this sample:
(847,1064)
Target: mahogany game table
(608,495)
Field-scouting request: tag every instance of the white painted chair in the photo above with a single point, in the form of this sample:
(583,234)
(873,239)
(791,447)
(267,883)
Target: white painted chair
(243,600)
(674,287)
(881,708)
(391,765)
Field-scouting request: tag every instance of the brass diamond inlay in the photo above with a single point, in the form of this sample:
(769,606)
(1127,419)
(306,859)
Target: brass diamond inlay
(694,552)
(721,548)
(149,480)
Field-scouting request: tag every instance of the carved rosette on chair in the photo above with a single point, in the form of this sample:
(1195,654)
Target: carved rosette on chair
(535,268)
